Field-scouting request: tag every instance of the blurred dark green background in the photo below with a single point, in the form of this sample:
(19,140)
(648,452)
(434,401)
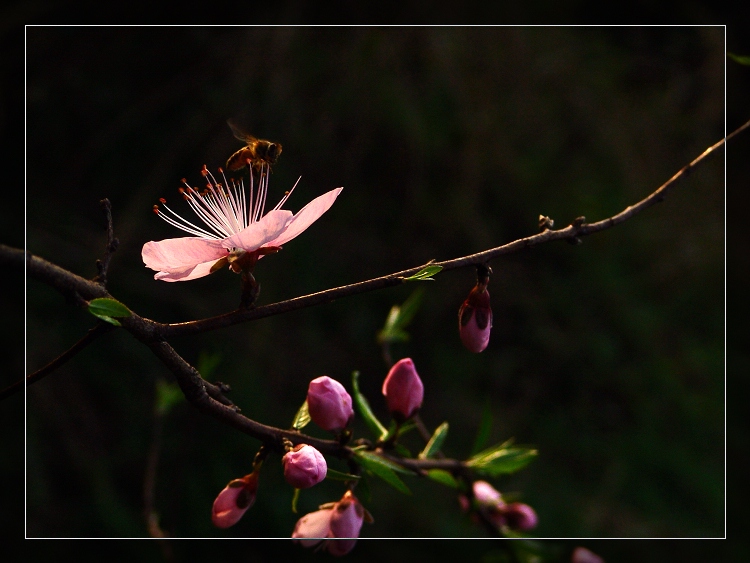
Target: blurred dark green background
(608,357)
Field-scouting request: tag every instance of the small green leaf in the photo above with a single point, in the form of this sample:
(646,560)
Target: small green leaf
(425,274)
(302,418)
(382,468)
(483,432)
(340,476)
(167,396)
(741,59)
(106,308)
(436,442)
(443,477)
(399,318)
(501,459)
(363,407)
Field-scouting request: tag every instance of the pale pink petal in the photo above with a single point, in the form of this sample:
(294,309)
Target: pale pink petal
(261,232)
(181,254)
(192,273)
(313,527)
(307,216)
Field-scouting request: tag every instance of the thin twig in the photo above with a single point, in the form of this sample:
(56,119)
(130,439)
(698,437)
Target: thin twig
(577,228)
(91,335)
(112,244)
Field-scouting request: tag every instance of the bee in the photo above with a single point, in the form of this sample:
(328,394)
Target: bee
(257,151)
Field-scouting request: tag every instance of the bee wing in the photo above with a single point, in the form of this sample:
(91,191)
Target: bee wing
(240,133)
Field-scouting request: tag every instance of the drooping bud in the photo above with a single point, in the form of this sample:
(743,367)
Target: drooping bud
(346,522)
(519,516)
(328,403)
(338,524)
(304,466)
(234,500)
(475,315)
(403,390)
(312,528)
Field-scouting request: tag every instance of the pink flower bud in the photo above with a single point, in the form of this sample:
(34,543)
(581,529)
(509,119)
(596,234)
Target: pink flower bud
(328,403)
(234,500)
(312,528)
(304,466)
(475,319)
(486,495)
(339,526)
(519,516)
(346,522)
(583,555)
(403,389)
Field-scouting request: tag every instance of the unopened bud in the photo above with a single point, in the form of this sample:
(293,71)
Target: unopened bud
(475,319)
(304,466)
(234,500)
(403,390)
(328,403)
(346,522)
(519,516)
(338,525)
(312,528)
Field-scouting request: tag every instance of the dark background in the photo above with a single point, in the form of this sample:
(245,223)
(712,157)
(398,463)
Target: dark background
(608,357)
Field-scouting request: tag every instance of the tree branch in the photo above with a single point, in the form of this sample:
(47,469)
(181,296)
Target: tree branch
(209,398)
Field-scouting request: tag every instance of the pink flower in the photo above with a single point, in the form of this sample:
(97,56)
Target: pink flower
(304,466)
(403,390)
(237,230)
(328,403)
(338,525)
(475,319)
(234,500)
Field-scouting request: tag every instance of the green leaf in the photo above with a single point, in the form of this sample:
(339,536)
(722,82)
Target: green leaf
(425,274)
(167,396)
(341,476)
(382,468)
(436,442)
(399,318)
(302,418)
(741,59)
(483,432)
(443,477)
(363,407)
(106,308)
(501,459)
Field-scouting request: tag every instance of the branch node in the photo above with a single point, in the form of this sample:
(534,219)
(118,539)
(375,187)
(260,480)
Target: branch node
(545,223)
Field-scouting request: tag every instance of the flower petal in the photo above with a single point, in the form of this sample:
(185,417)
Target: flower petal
(177,255)
(261,232)
(313,527)
(307,216)
(191,273)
